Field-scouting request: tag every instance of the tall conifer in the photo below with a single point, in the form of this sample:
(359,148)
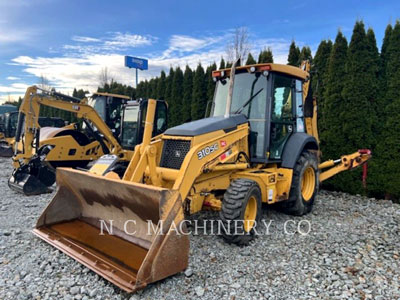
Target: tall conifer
(319,77)
(332,138)
(266,56)
(250,60)
(359,94)
(161,86)
(176,98)
(294,54)
(305,54)
(187,94)
(389,143)
(199,95)
(222,63)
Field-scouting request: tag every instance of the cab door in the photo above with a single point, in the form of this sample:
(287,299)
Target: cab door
(283,119)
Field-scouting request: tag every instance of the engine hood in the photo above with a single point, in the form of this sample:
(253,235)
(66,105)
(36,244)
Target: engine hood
(207,125)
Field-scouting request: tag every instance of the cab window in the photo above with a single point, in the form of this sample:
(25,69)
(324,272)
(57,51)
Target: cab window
(281,114)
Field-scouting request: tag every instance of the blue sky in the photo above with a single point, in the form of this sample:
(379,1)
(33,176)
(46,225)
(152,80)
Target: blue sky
(70,42)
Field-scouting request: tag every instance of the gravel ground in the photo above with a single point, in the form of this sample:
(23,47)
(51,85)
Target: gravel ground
(351,252)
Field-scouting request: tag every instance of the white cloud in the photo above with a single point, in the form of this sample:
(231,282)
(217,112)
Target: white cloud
(187,43)
(85,39)
(13,88)
(81,64)
(12,78)
(130,40)
(10,35)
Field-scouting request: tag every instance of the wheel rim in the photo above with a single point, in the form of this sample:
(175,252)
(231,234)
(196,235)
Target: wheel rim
(250,214)
(308,183)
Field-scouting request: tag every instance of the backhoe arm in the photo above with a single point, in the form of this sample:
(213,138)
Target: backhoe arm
(29,111)
(346,162)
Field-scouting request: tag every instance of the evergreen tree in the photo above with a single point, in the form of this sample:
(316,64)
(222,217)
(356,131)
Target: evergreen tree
(222,64)
(199,100)
(175,104)
(250,60)
(294,54)
(161,86)
(146,89)
(332,138)
(266,56)
(388,147)
(228,64)
(140,91)
(79,93)
(187,94)
(375,61)
(319,78)
(210,84)
(382,73)
(153,88)
(384,52)
(168,90)
(359,93)
(305,54)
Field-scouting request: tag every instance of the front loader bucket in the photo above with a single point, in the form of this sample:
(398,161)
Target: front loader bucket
(111,227)
(6,150)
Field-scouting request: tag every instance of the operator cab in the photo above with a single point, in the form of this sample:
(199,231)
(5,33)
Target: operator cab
(9,123)
(134,117)
(109,107)
(271,98)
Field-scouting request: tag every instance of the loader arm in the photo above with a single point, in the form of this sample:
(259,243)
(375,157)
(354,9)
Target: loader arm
(144,164)
(29,111)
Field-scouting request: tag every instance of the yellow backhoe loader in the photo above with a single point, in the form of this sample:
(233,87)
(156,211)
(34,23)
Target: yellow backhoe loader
(260,145)
(112,125)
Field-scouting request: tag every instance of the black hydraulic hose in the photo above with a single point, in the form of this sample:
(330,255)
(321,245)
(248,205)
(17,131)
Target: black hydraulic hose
(20,123)
(65,97)
(96,136)
(37,139)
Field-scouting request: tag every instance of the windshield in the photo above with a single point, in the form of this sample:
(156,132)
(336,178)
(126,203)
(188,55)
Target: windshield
(130,127)
(249,95)
(99,104)
(249,98)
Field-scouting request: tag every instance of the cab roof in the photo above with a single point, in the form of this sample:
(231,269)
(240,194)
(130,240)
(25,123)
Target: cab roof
(286,69)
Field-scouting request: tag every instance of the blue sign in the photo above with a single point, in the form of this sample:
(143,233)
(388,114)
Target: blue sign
(135,62)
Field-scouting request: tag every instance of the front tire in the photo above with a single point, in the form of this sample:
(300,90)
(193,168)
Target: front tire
(241,211)
(305,185)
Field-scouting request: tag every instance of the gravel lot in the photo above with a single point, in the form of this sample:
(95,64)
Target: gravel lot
(351,252)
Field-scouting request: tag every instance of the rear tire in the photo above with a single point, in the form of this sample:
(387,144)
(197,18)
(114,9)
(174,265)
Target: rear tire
(305,185)
(241,211)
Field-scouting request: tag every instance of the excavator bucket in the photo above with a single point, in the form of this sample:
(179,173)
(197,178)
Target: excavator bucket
(6,150)
(131,234)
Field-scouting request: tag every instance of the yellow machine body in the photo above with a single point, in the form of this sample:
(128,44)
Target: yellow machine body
(66,148)
(168,177)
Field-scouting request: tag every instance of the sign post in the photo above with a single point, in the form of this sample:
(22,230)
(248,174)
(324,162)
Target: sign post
(137,63)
